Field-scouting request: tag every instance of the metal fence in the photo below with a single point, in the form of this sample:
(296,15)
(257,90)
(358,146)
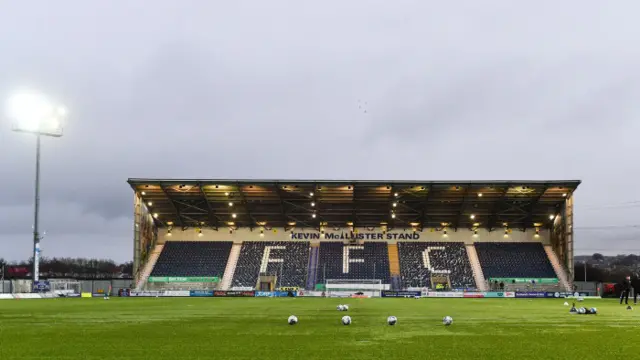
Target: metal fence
(89,286)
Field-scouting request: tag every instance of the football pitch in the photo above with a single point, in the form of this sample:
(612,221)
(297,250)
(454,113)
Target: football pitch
(256,328)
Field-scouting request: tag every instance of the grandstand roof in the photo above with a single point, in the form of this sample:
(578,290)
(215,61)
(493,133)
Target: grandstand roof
(397,204)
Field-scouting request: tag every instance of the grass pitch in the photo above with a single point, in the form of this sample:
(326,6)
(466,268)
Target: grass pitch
(256,328)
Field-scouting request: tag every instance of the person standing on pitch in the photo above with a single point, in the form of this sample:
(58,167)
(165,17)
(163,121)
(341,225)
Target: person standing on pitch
(626,288)
(635,284)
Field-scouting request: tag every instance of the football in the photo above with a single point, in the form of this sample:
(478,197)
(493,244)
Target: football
(340,308)
(292,320)
(346,320)
(392,320)
(594,310)
(448,320)
(345,307)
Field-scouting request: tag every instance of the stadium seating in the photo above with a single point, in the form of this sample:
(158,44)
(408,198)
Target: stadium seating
(367,261)
(286,260)
(514,260)
(192,258)
(444,256)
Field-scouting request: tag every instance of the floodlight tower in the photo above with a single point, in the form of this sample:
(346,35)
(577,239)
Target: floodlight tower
(33,113)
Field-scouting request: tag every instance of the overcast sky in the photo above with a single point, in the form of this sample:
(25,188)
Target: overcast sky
(255,89)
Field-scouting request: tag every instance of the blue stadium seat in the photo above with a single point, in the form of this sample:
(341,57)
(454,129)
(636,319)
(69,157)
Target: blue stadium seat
(368,261)
(514,260)
(443,256)
(192,258)
(288,262)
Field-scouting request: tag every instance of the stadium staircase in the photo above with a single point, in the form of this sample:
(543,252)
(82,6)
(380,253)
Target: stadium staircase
(230,270)
(562,275)
(394,267)
(148,267)
(394,261)
(481,284)
(312,272)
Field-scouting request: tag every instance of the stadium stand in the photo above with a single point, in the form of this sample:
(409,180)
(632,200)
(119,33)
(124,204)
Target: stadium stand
(449,257)
(192,258)
(286,260)
(514,260)
(367,261)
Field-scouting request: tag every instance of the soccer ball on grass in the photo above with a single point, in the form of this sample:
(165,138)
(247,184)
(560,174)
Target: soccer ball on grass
(346,320)
(392,320)
(448,320)
(292,320)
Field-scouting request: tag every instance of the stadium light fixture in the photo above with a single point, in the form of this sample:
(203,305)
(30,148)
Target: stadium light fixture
(313,204)
(395,204)
(396,194)
(472,216)
(311,194)
(230,204)
(479,194)
(233,215)
(313,215)
(34,113)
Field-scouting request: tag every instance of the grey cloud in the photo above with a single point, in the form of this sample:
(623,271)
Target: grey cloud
(271,90)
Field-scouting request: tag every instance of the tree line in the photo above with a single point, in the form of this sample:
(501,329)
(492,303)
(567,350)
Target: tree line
(77,268)
(606,269)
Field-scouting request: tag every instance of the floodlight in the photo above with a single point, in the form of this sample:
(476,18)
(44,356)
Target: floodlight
(34,113)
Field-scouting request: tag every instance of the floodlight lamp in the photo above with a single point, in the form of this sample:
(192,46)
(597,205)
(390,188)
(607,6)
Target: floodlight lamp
(34,113)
